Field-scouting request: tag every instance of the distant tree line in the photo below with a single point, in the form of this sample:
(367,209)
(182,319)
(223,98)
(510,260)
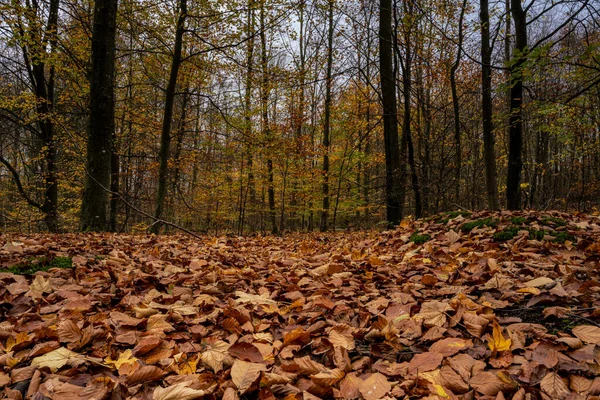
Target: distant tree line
(272,116)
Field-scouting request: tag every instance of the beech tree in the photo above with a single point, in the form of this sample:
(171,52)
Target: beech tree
(94,206)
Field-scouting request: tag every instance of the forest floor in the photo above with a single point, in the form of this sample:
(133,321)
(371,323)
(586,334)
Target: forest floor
(458,306)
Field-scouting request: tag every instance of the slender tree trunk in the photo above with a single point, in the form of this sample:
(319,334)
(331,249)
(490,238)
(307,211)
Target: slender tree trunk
(486,108)
(251,190)
(165,135)
(326,126)
(265,118)
(406,125)
(114,185)
(390,122)
(101,128)
(515,146)
(455,105)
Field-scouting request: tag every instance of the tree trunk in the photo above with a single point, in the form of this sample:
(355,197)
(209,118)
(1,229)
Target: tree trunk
(390,122)
(265,119)
(486,108)
(406,127)
(455,105)
(326,126)
(94,215)
(515,144)
(165,135)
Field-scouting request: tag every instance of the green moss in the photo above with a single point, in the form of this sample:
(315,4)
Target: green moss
(419,239)
(33,265)
(562,236)
(518,220)
(553,221)
(506,234)
(510,232)
(480,223)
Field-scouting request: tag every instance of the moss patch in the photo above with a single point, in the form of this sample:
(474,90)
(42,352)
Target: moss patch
(419,239)
(480,223)
(33,265)
(510,232)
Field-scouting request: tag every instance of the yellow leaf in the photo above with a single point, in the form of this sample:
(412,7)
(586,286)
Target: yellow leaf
(124,358)
(498,342)
(439,389)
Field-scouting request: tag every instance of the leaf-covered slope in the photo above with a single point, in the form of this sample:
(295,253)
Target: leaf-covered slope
(467,313)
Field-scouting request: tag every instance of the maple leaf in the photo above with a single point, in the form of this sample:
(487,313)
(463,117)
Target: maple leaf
(216,354)
(497,342)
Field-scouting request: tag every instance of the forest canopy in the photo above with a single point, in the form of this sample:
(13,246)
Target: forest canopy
(270,115)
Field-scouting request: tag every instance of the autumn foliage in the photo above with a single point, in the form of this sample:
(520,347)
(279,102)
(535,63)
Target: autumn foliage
(365,315)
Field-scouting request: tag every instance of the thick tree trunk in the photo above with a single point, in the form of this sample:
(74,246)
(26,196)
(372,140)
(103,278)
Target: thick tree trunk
(390,122)
(326,126)
(94,207)
(486,108)
(165,135)
(515,144)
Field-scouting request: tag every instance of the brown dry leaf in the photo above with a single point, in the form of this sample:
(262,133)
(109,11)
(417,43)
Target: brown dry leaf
(180,391)
(308,366)
(57,359)
(341,335)
(350,386)
(145,374)
(329,377)
(555,386)
(538,282)
(39,286)
(488,383)
(246,352)
(450,346)
(68,331)
(215,355)
(433,313)
(375,387)
(587,333)
(424,362)
(244,374)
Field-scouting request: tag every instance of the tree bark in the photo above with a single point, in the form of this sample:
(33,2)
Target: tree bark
(515,144)
(390,122)
(455,105)
(486,108)
(165,135)
(326,125)
(94,215)
(265,118)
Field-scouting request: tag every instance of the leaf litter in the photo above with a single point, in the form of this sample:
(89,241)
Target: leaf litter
(467,314)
